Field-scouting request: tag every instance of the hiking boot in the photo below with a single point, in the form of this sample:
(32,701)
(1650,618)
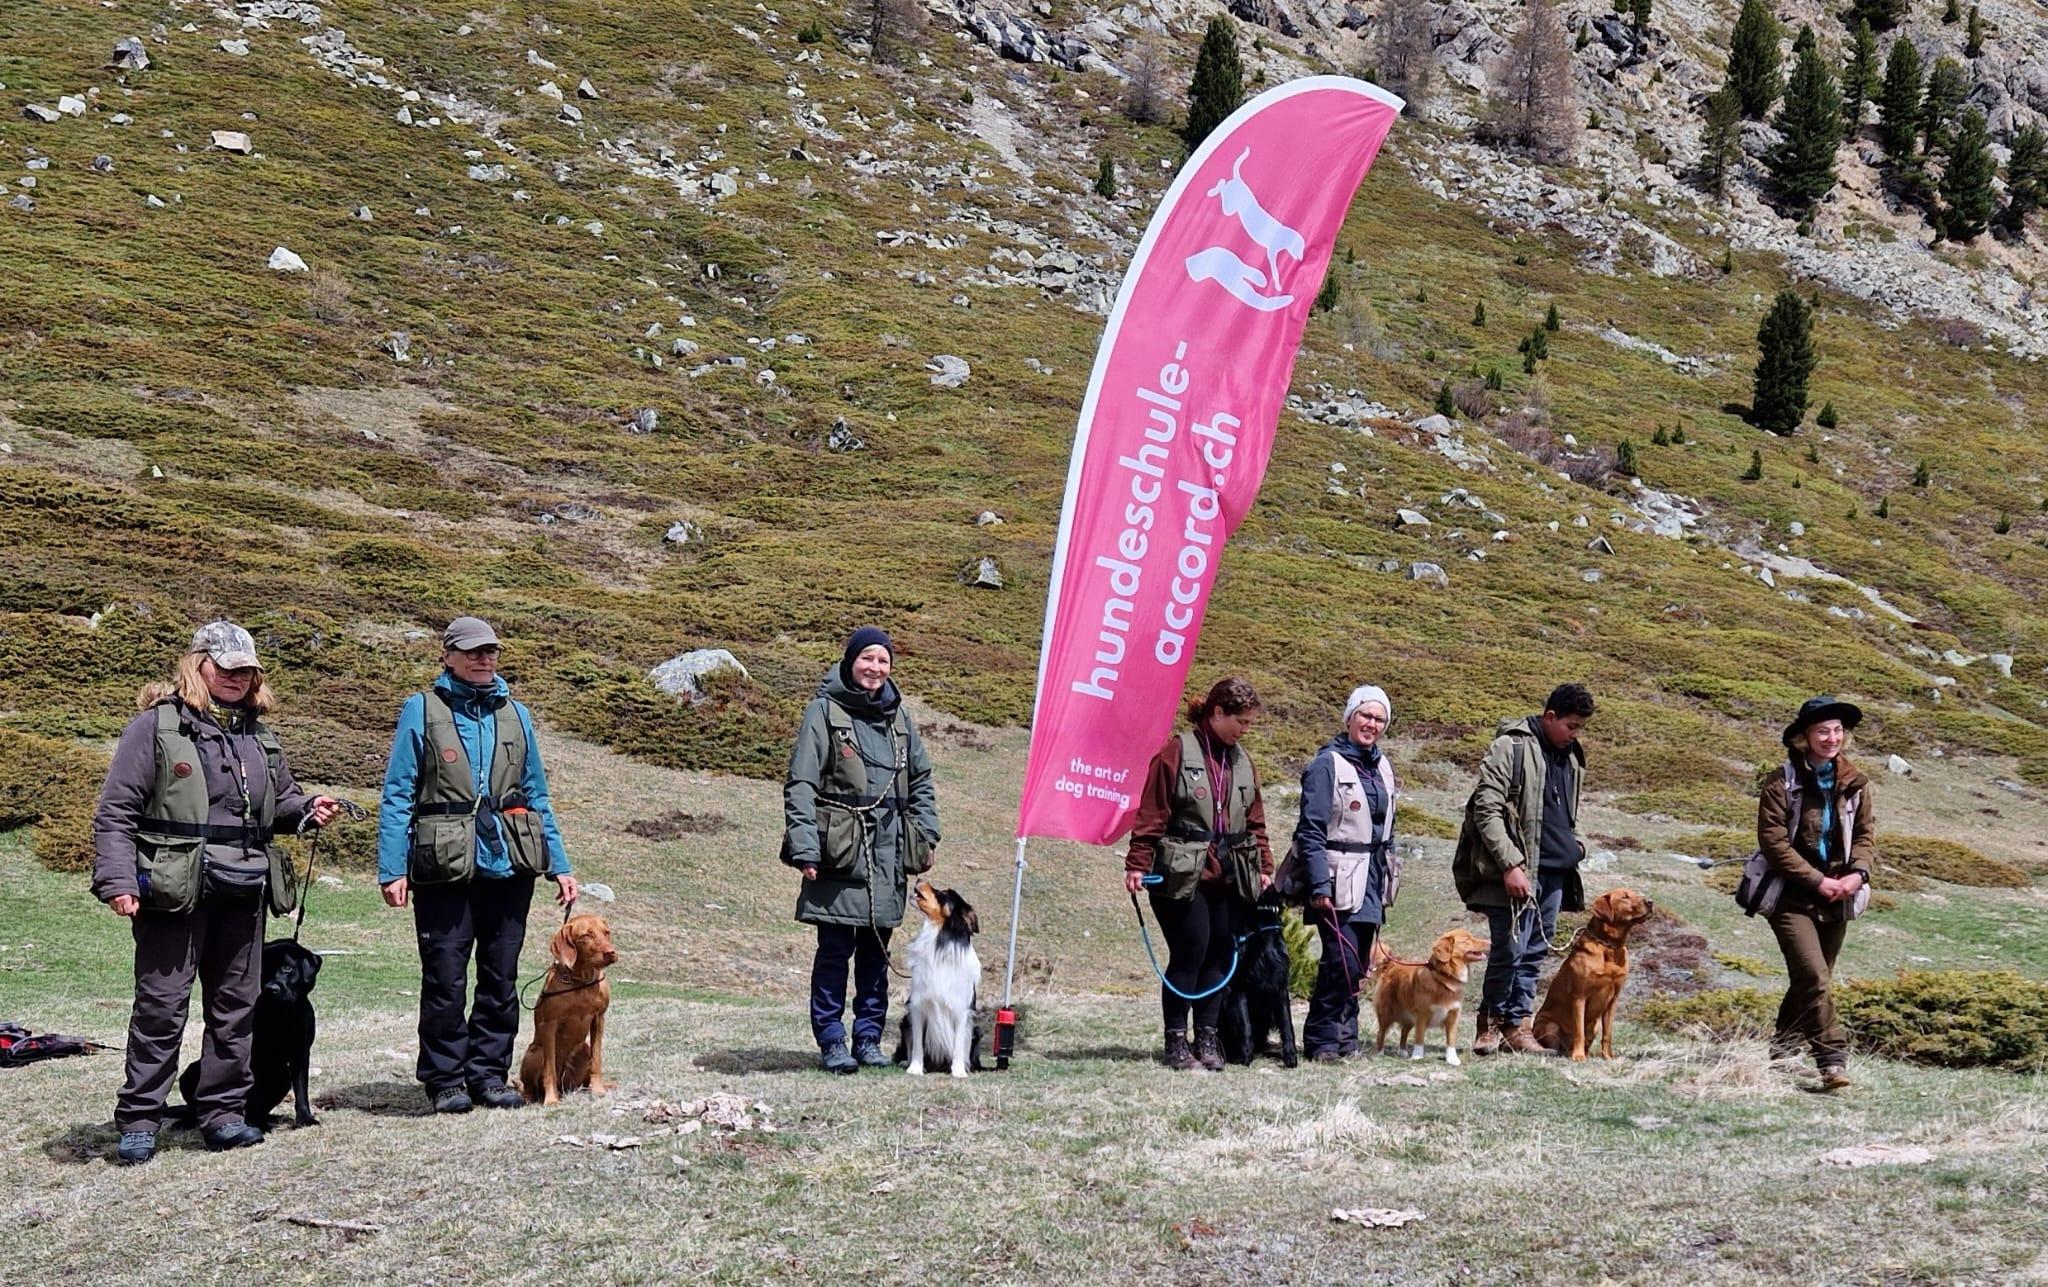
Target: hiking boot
(1209,1049)
(1326,1057)
(1490,1034)
(136,1147)
(497,1095)
(1178,1056)
(835,1059)
(1834,1077)
(232,1135)
(452,1100)
(868,1054)
(1521,1040)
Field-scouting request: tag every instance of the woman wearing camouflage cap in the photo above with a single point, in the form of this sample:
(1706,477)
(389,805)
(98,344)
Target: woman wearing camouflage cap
(182,841)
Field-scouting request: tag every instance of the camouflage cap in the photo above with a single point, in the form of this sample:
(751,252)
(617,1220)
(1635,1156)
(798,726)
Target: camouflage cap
(228,644)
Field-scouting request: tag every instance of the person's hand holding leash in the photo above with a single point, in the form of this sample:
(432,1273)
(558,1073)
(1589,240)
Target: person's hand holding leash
(565,889)
(125,904)
(1134,881)
(1517,881)
(1323,903)
(810,871)
(394,893)
(323,809)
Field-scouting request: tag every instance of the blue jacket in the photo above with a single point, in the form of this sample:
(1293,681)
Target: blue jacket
(1313,827)
(476,714)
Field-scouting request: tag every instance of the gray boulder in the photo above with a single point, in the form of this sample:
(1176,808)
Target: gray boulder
(684,675)
(645,420)
(1429,574)
(129,55)
(983,573)
(949,372)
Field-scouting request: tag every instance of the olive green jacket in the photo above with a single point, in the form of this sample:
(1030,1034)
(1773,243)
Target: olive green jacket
(1503,826)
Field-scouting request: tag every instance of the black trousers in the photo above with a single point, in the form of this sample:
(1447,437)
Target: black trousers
(221,943)
(1201,934)
(868,950)
(485,918)
(1332,1023)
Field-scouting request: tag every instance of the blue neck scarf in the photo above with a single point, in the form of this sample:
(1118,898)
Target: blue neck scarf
(1824,777)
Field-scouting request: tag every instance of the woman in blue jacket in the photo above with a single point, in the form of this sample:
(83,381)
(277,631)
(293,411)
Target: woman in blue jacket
(465,827)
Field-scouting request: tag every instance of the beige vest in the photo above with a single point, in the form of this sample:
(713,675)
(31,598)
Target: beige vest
(1351,839)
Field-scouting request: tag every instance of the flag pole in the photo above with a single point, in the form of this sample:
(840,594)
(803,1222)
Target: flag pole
(1006,1017)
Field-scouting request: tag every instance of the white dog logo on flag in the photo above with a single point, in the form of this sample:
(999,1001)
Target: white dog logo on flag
(1250,285)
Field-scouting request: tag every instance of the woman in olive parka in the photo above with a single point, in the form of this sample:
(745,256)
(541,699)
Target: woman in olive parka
(859,820)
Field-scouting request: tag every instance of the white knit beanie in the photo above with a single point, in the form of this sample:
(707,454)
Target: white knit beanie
(1366,694)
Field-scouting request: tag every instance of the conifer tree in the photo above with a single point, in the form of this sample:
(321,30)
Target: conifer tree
(1785,364)
(1898,109)
(1952,13)
(1809,126)
(1753,59)
(1105,177)
(1479,313)
(1859,81)
(1756,467)
(2026,176)
(1922,475)
(1625,458)
(1973,44)
(1827,419)
(1882,15)
(1551,321)
(1445,406)
(1639,14)
(1721,139)
(1947,84)
(1218,84)
(1966,198)
(1532,105)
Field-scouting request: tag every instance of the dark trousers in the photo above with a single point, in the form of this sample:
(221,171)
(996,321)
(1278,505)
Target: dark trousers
(222,943)
(486,918)
(1514,960)
(1332,1023)
(1808,1011)
(1201,935)
(868,950)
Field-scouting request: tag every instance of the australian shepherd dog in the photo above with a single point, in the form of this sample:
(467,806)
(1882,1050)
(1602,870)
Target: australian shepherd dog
(939,1033)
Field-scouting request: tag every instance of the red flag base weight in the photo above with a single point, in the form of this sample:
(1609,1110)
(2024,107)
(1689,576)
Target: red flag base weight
(1006,1036)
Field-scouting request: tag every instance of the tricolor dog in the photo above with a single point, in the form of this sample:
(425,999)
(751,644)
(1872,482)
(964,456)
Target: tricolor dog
(938,1029)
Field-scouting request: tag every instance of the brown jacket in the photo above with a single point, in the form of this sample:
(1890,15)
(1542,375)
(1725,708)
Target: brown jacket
(1155,810)
(1793,849)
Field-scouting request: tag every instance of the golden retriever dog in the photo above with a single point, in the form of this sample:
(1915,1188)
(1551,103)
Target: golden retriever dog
(567,1052)
(1418,995)
(1585,988)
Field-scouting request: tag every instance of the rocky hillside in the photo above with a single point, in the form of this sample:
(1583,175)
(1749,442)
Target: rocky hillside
(652,329)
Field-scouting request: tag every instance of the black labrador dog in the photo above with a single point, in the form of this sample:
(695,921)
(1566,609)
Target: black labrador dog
(1257,1003)
(281,1048)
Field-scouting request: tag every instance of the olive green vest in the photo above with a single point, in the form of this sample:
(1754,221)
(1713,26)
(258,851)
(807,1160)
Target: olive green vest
(172,835)
(846,824)
(446,807)
(1192,835)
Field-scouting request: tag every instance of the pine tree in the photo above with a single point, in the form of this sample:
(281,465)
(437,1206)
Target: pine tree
(1753,66)
(1827,419)
(1785,365)
(1479,313)
(1445,405)
(1639,13)
(1813,448)
(1678,435)
(1921,475)
(1661,438)
(1625,458)
(1973,44)
(1882,15)
(1952,13)
(1966,197)
(1884,507)
(1756,467)
(1551,321)
(1105,177)
(1809,126)
(2004,523)
(1406,50)
(1533,105)
(2026,176)
(1218,84)
(1528,360)
(1805,40)
(1327,297)
(1721,139)
(1947,84)
(1494,380)
(1859,81)
(1145,98)
(1898,109)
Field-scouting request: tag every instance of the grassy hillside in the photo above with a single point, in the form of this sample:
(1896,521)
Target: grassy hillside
(191,433)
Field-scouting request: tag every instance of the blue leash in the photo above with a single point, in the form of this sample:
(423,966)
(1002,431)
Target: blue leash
(1146,937)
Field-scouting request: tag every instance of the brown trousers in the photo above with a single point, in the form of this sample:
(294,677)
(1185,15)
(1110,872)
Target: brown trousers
(1808,1011)
(222,943)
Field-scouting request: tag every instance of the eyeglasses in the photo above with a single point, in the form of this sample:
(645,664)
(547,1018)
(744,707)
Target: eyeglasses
(478,654)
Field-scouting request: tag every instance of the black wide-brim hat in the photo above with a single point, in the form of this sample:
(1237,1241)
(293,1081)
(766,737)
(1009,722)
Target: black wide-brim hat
(1819,710)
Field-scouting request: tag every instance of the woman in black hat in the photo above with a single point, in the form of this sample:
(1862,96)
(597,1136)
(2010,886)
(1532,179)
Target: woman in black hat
(859,819)
(1814,826)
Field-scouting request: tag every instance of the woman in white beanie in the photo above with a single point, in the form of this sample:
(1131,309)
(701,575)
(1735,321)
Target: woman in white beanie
(1344,843)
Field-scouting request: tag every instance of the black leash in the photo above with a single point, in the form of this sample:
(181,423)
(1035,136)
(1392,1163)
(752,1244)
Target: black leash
(568,910)
(350,810)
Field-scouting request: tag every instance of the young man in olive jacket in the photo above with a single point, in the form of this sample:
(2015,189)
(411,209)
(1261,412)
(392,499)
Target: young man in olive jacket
(1518,857)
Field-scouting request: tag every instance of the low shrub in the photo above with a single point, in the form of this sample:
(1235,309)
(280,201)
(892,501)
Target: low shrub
(1421,823)
(50,786)
(1724,1014)
(1943,860)
(1951,1018)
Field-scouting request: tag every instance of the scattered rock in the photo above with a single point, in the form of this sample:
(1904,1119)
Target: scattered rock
(1796,529)
(1410,518)
(239,48)
(129,55)
(1600,545)
(1434,424)
(2002,663)
(571,113)
(950,372)
(489,173)
(680,347)
(682,532)
(103,164)
(842,437)
(364,214)
(988,518)
(285,261)
(71,105)
(1592,576)
(1768,577)
(1375,1217)
(1900,765)
(548,89)
(21,201)
(584,89)
(982,574)
(233,141)
(533,59)
(683,676)
(399,345)
(38,112)
(1429,573)
(153,201)
(645,420)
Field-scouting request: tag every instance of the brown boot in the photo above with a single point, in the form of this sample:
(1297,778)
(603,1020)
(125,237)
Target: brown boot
(1834,1077)
(1178,1057)
(1521,1040)
(1209,1049)
(1488,1040)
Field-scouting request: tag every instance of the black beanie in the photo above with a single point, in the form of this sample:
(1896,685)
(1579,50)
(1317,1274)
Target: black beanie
(863,639)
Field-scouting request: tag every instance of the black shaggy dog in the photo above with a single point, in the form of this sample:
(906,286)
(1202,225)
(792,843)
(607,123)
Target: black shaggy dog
(1257,1002)
(281,1049)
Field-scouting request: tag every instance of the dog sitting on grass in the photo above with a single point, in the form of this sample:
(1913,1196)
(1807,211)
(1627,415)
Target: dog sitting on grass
(281,1038)
(567,1052)
(939,1033)
(1257,1004)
